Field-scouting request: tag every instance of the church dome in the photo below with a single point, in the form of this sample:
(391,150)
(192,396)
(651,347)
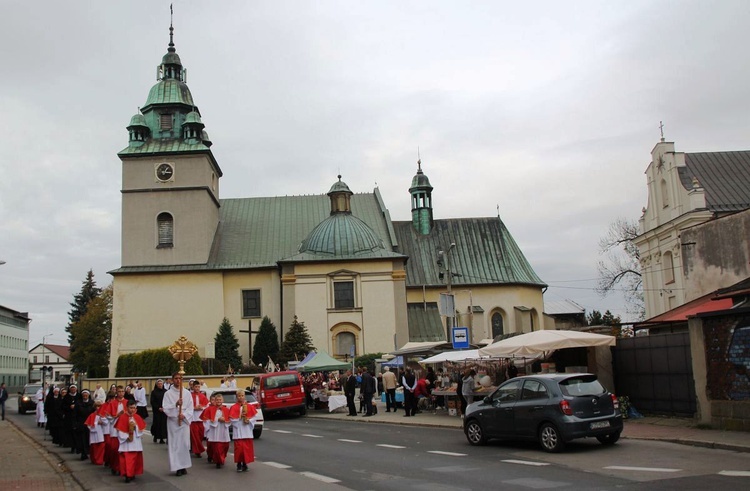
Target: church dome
(193,117)
(171,58)
(138,120)
(339,187)
(341,234)
(169,91)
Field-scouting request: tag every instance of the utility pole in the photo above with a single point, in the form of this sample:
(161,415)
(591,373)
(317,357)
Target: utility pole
(449,276)
(250,333)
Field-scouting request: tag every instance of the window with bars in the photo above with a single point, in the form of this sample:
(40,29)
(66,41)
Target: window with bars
(165,121)
(165,226)
(250,303)
(343,295)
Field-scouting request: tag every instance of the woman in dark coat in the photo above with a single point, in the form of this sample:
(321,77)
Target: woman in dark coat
(53,419)
(159,426)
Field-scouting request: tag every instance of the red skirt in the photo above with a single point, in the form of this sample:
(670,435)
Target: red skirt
(96,453)
(112,455)
(219,452)
(244,451)
(196,438)
(131,464)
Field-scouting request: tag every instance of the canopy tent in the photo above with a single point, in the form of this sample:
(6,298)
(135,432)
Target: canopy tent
(322,362)
(544,342)
(471,354)
(395,362)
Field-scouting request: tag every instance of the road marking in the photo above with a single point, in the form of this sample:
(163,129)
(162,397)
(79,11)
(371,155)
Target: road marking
(388,446)
(643,469)
(349,441)
(319,477)
(735,473)
(311,436)
(281,431)
(524,462)
(451,454)
(278,465)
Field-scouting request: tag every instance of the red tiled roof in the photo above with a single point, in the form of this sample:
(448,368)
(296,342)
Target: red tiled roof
(706,303)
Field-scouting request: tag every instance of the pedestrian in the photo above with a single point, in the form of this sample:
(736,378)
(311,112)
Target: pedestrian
(512,369)
(409,382)
(467,388)
(232,382)
(368,388)
(84,407)
(217,431)
(69,421)
(209,445)
(350,391)
(3,398)
(130,428)
(389,386)
(197,433)
(243,417)
(141,404)
(53,419)
(99,394)
(96,434)
(41,417)
(114,409)
(159,423)
(178,406)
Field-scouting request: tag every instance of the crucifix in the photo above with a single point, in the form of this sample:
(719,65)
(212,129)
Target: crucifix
(661,129)
(250,333)
(182,350)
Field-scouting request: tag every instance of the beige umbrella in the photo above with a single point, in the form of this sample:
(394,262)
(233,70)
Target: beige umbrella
(542,342)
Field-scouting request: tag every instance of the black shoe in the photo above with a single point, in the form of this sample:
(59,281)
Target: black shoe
(114,472)
(244,467)
(84,457)
(198,456)
(218,465)
(162,441)
(407,415)
(128,479)
(154,439)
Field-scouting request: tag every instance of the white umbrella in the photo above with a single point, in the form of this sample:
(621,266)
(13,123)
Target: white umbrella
(540,342)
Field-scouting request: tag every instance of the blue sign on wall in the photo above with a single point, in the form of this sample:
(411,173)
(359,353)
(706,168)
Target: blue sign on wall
(460,337)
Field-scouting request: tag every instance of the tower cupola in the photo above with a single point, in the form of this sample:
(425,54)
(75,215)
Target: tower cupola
(138,130)
(421,201)
(340,195)
(192,128)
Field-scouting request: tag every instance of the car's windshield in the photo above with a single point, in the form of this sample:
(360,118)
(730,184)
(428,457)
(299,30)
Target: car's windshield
(231,397)
(586,385)
(279,381)
(31,389)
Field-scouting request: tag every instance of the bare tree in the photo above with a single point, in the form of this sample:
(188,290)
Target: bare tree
(621,268)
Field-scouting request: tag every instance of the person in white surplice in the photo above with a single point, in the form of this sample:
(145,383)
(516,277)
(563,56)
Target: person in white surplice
(178,406)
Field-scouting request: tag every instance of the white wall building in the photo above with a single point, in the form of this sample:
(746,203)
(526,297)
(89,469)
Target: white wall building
(14,343)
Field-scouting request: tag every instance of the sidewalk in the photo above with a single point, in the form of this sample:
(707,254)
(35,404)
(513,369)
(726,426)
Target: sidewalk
(674,430)
(27,465)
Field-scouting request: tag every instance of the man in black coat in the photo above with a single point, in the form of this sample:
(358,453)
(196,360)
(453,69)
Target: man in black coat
(369,386)
(83,407)
(409,381)
(69,417)
(350,390)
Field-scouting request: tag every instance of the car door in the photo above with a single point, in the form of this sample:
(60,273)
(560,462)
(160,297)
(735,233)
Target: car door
(530,408)
(498,414)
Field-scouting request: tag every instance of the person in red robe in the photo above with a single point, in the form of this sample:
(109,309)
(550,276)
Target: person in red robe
(130,427)
(243,417)
(96,435)
(217,422)
(200,402)
(115,408)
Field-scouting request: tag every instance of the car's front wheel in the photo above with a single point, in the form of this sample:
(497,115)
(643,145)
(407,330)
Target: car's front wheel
(609,439)
(550,438)
(475,433)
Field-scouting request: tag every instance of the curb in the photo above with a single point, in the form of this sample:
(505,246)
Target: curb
(52,458)
(695,443)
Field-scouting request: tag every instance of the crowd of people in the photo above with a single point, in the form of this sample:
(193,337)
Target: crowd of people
(108,427)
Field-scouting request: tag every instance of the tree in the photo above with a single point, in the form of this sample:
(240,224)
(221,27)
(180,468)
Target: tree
(90,336)
(621,267)
(367,361)
(267,343)
(227,346)
(297,342)
(596,318)
(80,303)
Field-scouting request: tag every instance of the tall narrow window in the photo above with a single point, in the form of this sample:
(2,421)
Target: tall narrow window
(250,303)
(345,345)
(664,194)
(343,295)
(668,268)
(165,226)
(497,324)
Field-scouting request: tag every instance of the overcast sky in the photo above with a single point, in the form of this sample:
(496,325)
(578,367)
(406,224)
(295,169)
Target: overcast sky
(547,110)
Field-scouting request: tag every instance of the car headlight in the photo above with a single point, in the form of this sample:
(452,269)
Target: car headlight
(25,399)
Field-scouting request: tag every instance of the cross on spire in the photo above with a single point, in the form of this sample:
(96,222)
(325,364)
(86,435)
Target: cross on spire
(661,129)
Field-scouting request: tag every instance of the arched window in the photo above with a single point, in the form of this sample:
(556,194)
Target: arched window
(497,325)
(344,344)
(664,194)
(668,268)
(165,227)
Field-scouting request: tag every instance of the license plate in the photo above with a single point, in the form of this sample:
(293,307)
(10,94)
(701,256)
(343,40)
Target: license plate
(600,424)
(283,394)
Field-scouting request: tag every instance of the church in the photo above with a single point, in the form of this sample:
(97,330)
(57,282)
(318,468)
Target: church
(361,282)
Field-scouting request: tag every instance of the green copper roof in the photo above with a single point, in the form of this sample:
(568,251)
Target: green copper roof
(164,146)
(339,186)
(193,117)
(171,58)
(485,253)
(169,91)
(138,120)
(425,323)
(420,180)
(341,234)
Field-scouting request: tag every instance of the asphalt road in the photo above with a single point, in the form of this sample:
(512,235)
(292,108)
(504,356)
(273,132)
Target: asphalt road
(386,457)
(310,454)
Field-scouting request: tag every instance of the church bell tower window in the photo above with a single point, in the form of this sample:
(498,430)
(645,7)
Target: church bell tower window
(165,121)
(165,227)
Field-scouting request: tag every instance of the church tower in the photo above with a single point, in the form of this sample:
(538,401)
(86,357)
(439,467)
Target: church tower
(421,202)
(170,178)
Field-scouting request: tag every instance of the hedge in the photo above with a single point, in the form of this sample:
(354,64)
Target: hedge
(154,363)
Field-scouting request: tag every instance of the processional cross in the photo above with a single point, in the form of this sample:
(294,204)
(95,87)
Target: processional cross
(182,350)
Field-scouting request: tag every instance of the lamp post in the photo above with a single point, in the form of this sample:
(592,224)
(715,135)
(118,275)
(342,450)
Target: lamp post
(448,279)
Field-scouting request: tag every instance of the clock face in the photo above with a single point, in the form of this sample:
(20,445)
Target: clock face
(164,172)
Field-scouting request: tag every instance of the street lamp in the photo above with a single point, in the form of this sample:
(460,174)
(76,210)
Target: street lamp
(44,361)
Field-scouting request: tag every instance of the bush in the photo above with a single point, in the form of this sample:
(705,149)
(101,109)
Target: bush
(154,363)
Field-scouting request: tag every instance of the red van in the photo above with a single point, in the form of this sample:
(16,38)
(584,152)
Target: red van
(280,391)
